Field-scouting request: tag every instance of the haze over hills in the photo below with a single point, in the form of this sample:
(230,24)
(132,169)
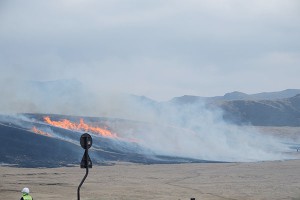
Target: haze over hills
(69,87)
(239,96)
(279,108)
(184,129)
(280,112)
(263,109)
(70,97)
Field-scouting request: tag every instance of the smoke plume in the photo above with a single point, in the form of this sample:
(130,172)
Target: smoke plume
(166,128)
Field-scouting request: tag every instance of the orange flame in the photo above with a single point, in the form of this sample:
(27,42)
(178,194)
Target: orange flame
(37,131)
(81,126)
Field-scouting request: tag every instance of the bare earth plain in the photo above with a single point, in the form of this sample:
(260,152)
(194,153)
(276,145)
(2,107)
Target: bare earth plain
(272,180)
(206,181)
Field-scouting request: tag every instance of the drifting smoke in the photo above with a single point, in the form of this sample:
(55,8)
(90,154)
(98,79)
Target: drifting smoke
(192,130)
(69,97)
(197,132)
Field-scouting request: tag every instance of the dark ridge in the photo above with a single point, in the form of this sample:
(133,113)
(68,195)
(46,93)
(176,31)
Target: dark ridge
(23,148)
(283,112)
(236,95)
(242,109)
(27,149)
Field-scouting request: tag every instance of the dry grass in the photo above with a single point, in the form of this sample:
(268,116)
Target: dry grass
(265,180)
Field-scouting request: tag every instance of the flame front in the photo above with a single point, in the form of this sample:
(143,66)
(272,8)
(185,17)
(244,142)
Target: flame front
(81,126)
(37,131)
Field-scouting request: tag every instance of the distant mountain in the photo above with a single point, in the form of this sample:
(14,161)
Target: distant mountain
(281,112)
(58,96)
(236,96)
(263,109)
(58,90)
(187,99)
(142,100)
(276,95)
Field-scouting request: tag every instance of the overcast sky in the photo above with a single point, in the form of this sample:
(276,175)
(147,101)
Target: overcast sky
(160,49)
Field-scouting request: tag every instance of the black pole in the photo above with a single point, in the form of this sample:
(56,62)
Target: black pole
(86,143)
(78,190)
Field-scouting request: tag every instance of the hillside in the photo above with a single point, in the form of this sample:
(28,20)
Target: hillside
(238,96)
(263,109)
(183,131)
(283,112)
(53,146)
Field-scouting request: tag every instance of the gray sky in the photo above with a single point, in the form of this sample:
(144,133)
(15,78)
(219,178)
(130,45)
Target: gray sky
(160,49)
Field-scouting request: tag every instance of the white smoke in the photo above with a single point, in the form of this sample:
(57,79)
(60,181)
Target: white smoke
(195,131)
(192,130)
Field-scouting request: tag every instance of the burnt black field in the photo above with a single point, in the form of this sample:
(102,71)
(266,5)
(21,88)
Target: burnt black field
(23,148)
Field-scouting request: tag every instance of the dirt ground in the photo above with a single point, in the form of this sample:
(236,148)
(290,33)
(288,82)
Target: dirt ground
(126,181)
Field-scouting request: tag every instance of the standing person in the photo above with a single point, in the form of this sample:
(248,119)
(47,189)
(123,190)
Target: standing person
(25,194)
